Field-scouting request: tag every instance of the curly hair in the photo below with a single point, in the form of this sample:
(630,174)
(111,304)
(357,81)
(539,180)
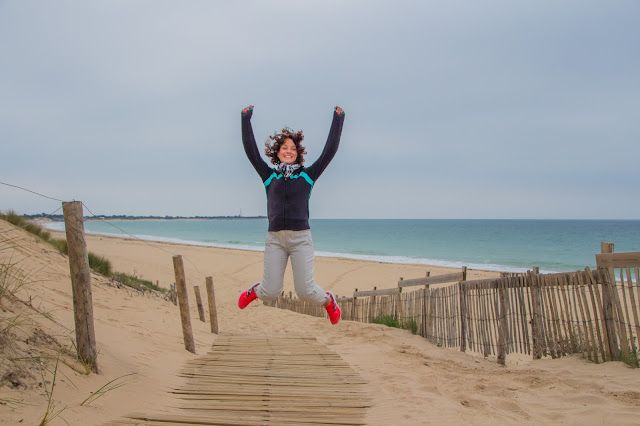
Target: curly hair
(278,139)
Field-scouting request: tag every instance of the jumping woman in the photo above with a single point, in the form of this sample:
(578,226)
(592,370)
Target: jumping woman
(288,185)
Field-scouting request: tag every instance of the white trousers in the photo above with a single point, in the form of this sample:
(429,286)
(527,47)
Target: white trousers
(279,246)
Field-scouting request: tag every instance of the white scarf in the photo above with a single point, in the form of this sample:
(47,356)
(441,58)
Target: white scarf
(287,169)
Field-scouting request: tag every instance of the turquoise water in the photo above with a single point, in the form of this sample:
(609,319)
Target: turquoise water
(499,245)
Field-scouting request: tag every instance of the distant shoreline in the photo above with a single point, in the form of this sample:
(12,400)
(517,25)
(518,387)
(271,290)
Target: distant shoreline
(60,218)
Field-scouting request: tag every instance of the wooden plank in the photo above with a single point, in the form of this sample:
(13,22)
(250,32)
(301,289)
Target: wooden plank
(375,292)
(435,279)
(629,259)
(265,379)
(475,283)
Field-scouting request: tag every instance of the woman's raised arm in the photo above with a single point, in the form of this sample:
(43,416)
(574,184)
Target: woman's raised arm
(250,147)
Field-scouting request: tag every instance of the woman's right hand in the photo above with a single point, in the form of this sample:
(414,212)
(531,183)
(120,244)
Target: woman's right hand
(247,109)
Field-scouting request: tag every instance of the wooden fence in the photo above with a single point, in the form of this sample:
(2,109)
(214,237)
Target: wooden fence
(586,312)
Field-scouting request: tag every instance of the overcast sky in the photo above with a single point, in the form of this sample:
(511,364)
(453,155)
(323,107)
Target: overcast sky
(454,109)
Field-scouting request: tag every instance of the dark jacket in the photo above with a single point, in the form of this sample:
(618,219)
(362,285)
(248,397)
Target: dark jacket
(288,198)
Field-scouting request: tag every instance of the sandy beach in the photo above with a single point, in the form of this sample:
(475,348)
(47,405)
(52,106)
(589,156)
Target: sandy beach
(409,380)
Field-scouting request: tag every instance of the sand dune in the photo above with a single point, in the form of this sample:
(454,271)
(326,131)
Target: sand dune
(410,381)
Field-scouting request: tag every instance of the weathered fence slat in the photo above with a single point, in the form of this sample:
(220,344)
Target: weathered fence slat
(594,308)
(624,341)
(569,337)
(634,305)
(618,260)
(502,328)
(624,298)
(436,279)
(592,336)
(603,323)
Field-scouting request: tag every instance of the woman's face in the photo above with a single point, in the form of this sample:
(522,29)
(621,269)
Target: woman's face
(288,152)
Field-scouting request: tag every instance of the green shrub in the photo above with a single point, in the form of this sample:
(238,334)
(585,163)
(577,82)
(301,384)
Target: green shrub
(17,220)
(96,263)
(410,325)
(137,283)
(61,245)
(387,320)
(391,321)
(100,264)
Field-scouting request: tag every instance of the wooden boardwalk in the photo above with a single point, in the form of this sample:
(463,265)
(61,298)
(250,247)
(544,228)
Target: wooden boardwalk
(255,380)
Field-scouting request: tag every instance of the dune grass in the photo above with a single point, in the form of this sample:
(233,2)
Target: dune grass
(97,263)
(391,321)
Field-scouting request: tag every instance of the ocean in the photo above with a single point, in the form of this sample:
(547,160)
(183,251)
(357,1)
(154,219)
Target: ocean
(496,245)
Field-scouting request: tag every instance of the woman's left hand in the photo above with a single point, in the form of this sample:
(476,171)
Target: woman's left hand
(339,110)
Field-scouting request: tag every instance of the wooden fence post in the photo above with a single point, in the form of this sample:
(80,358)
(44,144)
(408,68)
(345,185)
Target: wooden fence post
(536,326)
(81,284)
(463,317)
(213,315)
(173,295)
(399,307)
(196,290)
(502,322)
(606,247)
(353,307)
(183,301)
(372,306)
(608,287)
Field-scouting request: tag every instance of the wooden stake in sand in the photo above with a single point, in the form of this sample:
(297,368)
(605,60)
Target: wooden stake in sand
(213,315)
(183,301)
(81,284)
(607,304)
(196,290)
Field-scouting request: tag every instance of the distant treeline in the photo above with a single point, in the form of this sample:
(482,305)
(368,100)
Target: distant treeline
(60,218)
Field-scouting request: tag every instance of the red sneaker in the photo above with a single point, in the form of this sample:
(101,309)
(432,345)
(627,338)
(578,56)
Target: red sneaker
(333,309)
(248,296)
